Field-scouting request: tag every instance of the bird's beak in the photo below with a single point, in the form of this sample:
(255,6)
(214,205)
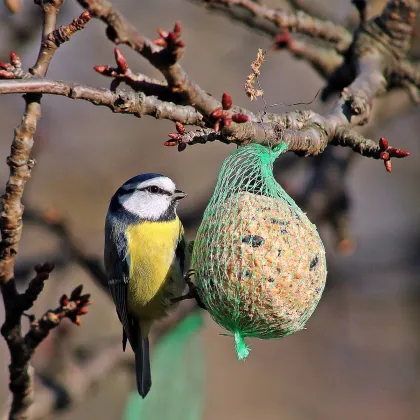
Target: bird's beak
(179,195)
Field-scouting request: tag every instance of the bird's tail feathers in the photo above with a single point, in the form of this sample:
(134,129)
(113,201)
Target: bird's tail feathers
(142,356)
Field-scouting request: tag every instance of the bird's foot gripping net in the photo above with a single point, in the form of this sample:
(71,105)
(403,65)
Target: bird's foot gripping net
(192,292)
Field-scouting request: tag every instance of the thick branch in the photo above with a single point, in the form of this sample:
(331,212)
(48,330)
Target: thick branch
(20,169)
(19,161)
(126,102)
(20,164)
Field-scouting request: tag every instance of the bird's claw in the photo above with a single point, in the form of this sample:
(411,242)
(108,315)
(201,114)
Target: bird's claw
(192,292)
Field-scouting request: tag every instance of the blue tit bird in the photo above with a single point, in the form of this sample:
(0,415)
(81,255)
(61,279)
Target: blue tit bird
(146,257)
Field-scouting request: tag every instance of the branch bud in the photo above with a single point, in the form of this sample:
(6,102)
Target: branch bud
(15,60)
(227,121)
(105,70)
(398,153)
(170,143)
(177,28)
(180,128)
(175,136)
(121,61)
(160,42)
(384,155)
(383,143)
(240,118)
(162,33)
(82,311)
(217,113)
(226,101)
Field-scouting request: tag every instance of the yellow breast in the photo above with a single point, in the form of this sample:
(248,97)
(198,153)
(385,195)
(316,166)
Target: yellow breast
(151,247)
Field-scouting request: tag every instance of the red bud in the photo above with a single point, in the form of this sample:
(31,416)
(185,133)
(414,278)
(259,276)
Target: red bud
(383,143)
(162,33)
(388,165)
(226,101)
(227,121)
(171,143)
(106,70)
(216,126)
(172,37)
(240,118)
(177,28)
(86,16)
(282,39)
(78,321)
(398,153)
(384,155)
(6,75)
(175,136)
(14,58)
(5,66)
(120,59)
(217,113)
(83,311)
(180,44)
(403,153)
(180,128)
(160,42)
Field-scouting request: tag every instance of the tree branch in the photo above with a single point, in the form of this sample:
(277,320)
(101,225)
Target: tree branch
(304,131)
(300,22)
(125,102)
(120,31)
(20,163)
(22,347)
(323,60)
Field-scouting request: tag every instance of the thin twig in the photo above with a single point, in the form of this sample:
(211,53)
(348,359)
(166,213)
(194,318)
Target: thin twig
(120,31)
(300,22)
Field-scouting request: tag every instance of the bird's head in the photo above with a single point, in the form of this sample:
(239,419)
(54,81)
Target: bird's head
(148,197)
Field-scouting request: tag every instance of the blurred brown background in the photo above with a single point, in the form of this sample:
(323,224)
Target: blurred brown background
(360,356)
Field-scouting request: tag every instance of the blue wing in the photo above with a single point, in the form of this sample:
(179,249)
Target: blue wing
(118,277)
(180,253)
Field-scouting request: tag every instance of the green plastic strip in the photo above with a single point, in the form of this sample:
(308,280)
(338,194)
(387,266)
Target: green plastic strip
(178,373)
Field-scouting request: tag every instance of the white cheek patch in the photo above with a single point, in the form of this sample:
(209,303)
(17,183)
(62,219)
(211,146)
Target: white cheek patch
(145,205)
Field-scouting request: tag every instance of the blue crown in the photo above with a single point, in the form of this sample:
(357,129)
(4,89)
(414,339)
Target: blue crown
(141,178)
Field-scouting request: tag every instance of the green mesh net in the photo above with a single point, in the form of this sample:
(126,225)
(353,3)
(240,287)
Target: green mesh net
(259,262)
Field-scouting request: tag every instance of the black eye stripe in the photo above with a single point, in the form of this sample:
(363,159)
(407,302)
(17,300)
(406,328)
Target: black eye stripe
(155,190)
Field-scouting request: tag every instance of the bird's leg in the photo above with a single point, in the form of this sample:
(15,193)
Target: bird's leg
(192,292)
(29,316)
